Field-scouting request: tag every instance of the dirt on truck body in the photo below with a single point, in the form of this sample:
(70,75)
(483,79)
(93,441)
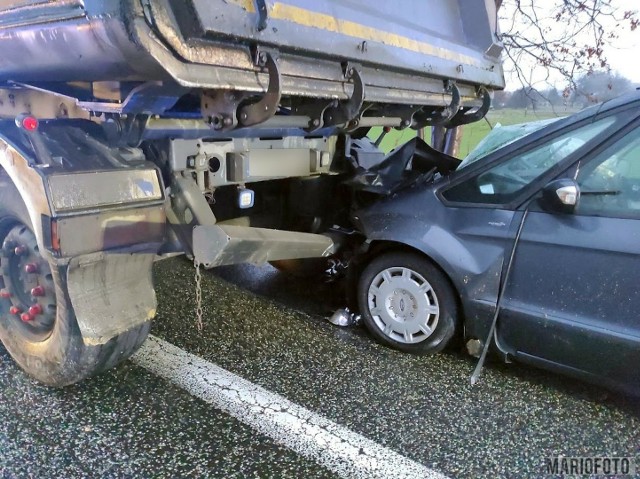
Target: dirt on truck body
(228,130)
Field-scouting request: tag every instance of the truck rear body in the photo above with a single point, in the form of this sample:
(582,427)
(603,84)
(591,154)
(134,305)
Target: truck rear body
(230,130)
(405,50)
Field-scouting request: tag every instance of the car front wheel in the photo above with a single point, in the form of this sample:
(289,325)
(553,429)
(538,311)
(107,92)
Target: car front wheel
(407,303)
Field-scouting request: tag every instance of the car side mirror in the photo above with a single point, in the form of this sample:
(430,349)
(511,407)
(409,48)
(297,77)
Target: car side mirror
(561,196)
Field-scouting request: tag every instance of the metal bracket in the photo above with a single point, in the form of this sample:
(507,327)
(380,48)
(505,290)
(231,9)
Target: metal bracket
(315,111)
(49,100)
(355,123)
(263,14)
(463,117)
(267,107)
(444,116)
(125,130)
(219,108)
(348,110)
(406,113)
(187,208)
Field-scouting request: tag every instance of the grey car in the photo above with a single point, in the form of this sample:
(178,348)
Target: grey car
(533,247)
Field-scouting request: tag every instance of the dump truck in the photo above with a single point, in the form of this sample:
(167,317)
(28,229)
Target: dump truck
(226,130)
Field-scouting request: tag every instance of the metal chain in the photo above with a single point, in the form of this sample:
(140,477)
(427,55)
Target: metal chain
(199,312)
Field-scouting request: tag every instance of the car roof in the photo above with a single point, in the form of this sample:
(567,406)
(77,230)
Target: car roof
(627,98)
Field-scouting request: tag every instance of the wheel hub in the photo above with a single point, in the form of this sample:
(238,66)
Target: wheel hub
(27,293)
(402,305)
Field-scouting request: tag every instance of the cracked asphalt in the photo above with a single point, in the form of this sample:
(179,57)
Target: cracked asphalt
(271,329)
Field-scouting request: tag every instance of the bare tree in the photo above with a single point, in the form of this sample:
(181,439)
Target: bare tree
(555,42)
(567,38)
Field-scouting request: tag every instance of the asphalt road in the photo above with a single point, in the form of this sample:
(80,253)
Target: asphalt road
(270,329)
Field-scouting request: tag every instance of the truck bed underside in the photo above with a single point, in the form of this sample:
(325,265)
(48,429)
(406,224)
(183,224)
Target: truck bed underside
(207,59)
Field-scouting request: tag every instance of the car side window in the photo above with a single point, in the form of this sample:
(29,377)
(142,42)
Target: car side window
(610,183)
(502,183)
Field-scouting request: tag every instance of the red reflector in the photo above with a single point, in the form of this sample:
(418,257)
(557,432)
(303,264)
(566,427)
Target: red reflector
(26,317)
(14,310)
(35,310)
(55,239)
(30,123)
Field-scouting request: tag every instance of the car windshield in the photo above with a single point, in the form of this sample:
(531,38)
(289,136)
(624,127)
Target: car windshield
(501,136)
(505,180)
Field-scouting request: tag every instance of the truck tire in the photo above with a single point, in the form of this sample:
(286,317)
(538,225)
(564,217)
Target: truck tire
(38,326)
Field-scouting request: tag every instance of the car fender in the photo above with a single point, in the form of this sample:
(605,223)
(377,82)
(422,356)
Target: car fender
(468,248)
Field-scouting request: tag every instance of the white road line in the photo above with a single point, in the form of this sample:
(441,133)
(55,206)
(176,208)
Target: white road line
(342,451)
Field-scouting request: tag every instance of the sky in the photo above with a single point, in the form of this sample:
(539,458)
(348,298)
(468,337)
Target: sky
(626,59)
(623,55)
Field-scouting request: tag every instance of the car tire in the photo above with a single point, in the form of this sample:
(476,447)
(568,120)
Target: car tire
(407,303)
(48,344)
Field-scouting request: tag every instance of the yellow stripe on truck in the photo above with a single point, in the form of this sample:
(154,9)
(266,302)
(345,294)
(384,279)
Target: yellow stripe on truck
(308,18)
(247,5)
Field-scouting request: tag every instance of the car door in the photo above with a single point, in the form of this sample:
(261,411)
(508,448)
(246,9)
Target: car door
(573,295)
(493,188)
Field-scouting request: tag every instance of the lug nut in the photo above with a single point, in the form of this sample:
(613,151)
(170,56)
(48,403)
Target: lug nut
(14,310)
(35,310)
(5,294)
(31,268)
(38,291)
(26,317)
(21,250)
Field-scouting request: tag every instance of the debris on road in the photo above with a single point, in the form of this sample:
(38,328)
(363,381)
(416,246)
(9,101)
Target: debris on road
(345,318)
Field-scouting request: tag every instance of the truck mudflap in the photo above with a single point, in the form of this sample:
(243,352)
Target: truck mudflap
(111,293)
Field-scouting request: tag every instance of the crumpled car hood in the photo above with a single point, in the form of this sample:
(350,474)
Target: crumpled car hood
(414,162)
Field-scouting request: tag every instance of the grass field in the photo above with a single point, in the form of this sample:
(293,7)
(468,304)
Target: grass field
(473,133)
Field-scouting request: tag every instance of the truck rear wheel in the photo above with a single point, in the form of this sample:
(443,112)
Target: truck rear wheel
(38,326)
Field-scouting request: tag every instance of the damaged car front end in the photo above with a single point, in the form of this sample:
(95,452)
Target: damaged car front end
(516,248)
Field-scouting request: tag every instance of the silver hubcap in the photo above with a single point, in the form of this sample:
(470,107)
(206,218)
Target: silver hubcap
(403,305)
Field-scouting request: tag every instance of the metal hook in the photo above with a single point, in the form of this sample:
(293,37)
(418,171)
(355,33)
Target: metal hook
(267,107)
(452,110)
(464,117)
(348,110)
